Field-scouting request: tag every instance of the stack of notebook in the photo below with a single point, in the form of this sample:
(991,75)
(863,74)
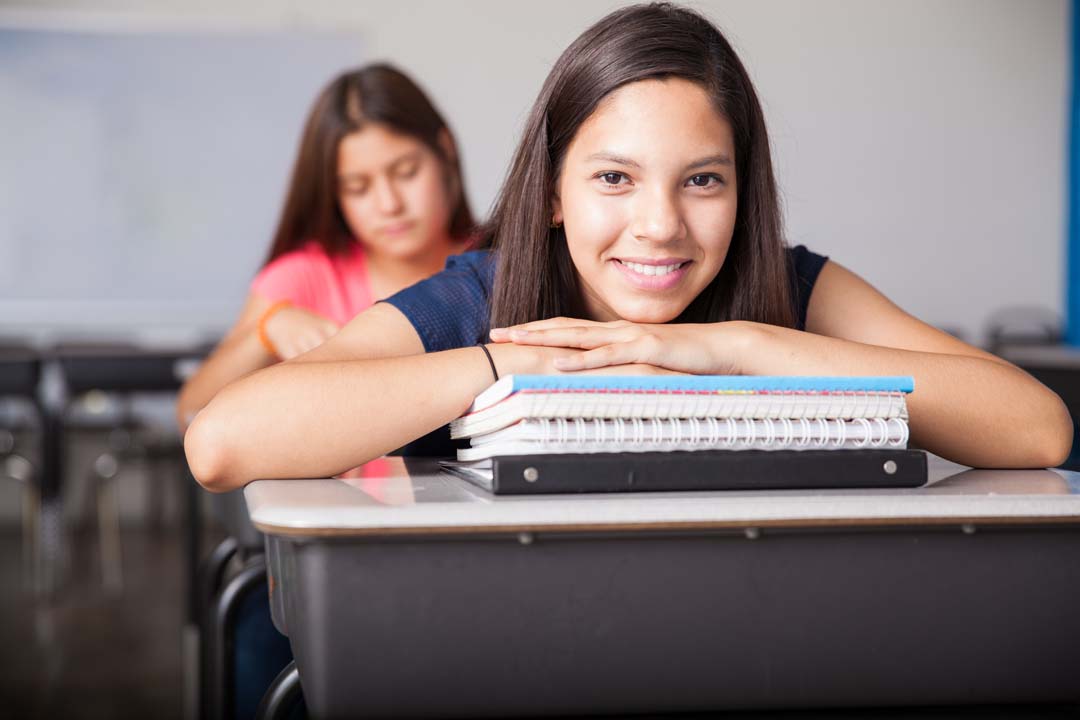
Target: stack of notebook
(580,433)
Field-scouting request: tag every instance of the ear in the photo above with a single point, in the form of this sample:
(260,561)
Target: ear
(447,145)
(556,209)
(449,149)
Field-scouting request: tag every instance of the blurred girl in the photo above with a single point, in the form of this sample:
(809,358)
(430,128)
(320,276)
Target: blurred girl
(376,203)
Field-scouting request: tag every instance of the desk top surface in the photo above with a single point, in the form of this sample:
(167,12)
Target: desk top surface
(386,497)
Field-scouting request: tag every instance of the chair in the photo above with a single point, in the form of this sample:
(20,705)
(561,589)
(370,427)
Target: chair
(99,376)
(20,373)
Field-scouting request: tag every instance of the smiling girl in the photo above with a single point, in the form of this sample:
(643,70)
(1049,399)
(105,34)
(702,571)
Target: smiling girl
(638,231)
(376,202)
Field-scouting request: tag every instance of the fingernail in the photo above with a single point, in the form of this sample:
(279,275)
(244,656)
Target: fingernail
(562,363)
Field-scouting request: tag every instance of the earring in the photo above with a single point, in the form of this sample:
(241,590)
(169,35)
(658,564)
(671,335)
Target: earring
(555,225)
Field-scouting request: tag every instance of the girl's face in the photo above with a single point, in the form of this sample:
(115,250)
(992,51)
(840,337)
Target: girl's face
(393,192)
(647,194)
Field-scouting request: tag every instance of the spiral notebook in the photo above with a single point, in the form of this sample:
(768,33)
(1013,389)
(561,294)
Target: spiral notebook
(571,413)
(615,426)
(580,436)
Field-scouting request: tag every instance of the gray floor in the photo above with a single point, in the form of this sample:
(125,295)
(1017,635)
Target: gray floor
(89,654)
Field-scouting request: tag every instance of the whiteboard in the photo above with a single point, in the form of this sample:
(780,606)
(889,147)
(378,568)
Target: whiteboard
(141,175)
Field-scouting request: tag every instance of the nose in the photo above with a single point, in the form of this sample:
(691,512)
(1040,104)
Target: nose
(657,216)
(387,196)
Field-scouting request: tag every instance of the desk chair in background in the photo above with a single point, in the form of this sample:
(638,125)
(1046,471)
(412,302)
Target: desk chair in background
(233,579)
(100,381)
(20,373)
(1023,326)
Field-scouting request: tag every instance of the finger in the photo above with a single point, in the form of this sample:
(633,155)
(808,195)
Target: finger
(582,337)
(556,322)
(604,356)
(631,369)
(503,334)
(307,341)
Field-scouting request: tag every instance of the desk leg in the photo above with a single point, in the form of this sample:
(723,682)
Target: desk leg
(196,602)
(282,696)
(217,642)
(192,542)
(51,525)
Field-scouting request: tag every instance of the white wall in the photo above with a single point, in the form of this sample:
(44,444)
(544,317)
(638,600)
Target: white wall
(919,142)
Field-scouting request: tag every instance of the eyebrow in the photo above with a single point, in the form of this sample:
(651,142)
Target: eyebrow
(718,159)
(615,158)
(410,156)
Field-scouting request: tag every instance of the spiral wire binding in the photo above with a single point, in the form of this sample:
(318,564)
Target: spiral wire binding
(765,425)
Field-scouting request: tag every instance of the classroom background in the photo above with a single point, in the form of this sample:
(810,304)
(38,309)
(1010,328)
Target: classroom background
(145,150)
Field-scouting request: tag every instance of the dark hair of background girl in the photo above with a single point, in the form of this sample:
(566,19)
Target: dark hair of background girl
(535,277)
(371,94)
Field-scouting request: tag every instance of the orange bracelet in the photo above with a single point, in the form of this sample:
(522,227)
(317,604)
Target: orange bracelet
(264,339)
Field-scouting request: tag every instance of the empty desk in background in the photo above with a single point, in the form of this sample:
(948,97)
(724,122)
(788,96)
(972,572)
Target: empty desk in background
(406,592)
(1057,367)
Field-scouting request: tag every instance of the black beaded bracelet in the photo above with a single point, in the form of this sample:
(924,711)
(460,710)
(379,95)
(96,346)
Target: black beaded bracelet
(491,361)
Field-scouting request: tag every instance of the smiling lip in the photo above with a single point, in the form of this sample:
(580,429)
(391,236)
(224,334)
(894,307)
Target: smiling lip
(670,271)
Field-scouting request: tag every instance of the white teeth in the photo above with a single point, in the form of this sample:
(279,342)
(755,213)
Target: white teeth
(652,269)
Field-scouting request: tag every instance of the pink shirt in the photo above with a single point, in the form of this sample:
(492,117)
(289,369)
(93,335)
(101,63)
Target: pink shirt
(336,287)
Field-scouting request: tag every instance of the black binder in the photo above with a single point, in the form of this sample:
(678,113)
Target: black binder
(698,470)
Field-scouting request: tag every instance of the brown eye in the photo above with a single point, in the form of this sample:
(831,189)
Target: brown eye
(612,178)
(706,180)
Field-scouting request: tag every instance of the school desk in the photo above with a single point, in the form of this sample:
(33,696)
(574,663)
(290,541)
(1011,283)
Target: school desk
(409,593)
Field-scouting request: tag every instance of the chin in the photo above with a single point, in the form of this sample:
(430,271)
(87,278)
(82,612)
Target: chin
(403,248)
(652,314)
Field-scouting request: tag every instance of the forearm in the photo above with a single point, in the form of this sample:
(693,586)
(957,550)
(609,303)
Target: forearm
(315,419)
(235,357)
(970,410)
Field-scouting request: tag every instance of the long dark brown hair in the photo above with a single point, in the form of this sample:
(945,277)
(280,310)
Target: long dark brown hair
(535,277)
(371,94)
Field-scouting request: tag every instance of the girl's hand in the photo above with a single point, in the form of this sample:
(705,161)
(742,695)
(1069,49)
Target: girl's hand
(293,331)
(703,349)
(512,358)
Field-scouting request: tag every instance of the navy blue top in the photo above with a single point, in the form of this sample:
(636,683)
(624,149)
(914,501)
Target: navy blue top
(452,309)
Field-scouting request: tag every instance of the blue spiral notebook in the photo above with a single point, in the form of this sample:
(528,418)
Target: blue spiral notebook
(507,386)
